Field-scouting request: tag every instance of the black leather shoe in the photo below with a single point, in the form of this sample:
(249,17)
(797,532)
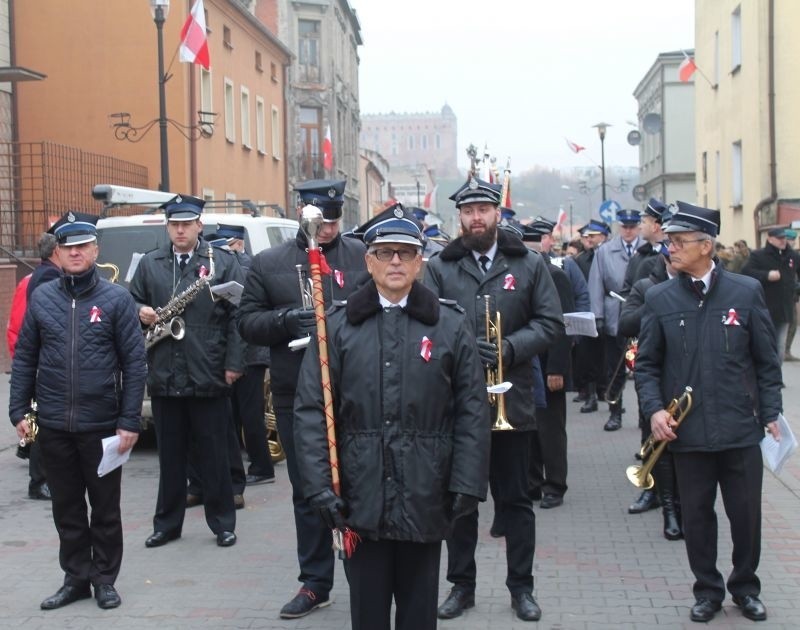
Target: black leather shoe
(303,603)
(238,501)
(580,397)
(648,500)
(226,539)
(526,607)
(551,500)
(456,603)
(41,492)
(751,606)
(193,500)
(497,530)
(704,610)
(614,422)
(158,539)
(106,596)
(589,405)
(257,480)
(66,595)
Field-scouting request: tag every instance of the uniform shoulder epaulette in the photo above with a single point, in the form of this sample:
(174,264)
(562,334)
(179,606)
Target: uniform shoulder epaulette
(452,304)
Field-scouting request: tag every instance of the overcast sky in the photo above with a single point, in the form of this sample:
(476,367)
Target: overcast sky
(520,75)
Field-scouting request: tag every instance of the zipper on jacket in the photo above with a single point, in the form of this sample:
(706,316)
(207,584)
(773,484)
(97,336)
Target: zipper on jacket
(71,413)
(725,330)
(682,325)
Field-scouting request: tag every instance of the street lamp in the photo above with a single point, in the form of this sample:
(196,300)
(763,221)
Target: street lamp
(159,9)
(601,131)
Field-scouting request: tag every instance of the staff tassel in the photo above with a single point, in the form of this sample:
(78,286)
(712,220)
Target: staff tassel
(311,220)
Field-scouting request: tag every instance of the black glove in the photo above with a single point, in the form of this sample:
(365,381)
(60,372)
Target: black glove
(300,322)
(462,505)
(487,352)
(508,353)
(331,509)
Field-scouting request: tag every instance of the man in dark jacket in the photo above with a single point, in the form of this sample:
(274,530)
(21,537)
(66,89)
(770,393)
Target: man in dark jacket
(640,265)
(272,314)
(413,437)
(81,356)
(710,329)
(190,378)
(486,261)
(776,266)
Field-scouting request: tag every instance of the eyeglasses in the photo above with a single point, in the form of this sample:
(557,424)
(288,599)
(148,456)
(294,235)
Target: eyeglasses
(384,254)
(678,243)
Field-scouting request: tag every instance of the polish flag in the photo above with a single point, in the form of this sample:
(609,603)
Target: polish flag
(562,217)
(429,202)
(575,148)
(505,202)
(327,150)
(194,42)
(687,68)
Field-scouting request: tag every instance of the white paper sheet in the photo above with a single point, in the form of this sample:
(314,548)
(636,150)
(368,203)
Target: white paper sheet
(776,453)
(580,323)
(231,291)
(112,458)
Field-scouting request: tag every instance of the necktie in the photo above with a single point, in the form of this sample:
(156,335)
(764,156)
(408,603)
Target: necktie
(700,286)
(629,248)
(484,261)
(184,258)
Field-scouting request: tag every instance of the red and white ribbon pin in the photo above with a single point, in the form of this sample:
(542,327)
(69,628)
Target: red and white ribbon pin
(202,272)
(732,319)
(425,349)
(509,282)
(339,277)
(94,314)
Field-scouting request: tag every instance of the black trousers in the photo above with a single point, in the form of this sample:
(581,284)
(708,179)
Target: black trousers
(248,415)
(615,346)
(314,552)
(35,468)
(508,482)
(548,460)
(738,472)
(234,450)
(381,570)
(90,547)
(177,420)
(588,363)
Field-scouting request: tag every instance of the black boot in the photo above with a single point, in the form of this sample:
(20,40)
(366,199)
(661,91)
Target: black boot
(648,500)
(590,404)
(581,396)
(664,474)
(615,418)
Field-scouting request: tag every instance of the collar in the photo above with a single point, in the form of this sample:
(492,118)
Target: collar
(421,304)
(80,283)
(707,276)
(490,254)
(387,304)
(508,245)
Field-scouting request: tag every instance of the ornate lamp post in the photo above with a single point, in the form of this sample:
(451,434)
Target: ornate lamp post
(159,10)
(601,131)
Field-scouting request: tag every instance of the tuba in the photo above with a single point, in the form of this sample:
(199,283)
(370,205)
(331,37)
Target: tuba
(640,476)
(495,385)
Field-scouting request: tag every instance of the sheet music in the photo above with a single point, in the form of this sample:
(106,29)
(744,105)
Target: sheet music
(776,453)
(231,291)
(136,258)
(112,458)
(580,323)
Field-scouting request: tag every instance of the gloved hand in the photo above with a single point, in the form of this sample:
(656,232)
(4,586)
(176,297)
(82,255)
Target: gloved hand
(508,353)
(462,505)
(300,322)
(331,509)
(487,352)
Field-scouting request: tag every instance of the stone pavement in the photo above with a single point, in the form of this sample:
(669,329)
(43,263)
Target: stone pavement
(595,566)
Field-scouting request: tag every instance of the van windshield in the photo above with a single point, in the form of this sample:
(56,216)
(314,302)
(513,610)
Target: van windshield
(119,244)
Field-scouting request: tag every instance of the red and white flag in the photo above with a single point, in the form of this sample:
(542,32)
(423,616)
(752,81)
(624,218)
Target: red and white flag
(687,68)
(327,150)
(562,217)
(429,203)
(194,42)
(575,148)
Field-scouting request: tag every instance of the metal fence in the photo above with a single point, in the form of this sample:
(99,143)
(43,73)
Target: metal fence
(40,181)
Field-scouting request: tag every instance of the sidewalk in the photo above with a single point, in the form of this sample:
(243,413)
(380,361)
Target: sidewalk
(595,566)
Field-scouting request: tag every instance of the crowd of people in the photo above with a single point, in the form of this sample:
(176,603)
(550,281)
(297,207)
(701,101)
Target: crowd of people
(428,383)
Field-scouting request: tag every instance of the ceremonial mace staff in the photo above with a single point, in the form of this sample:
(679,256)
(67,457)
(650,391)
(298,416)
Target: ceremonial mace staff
(310,221)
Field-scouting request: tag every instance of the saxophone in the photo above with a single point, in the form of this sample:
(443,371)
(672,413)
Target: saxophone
(168,322)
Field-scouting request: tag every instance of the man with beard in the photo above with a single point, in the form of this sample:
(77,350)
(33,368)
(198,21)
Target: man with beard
(271,314)
(486,261)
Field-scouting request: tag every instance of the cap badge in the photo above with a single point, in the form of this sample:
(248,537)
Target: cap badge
(71,217)
(473,184)
(178,199)
(331,192)
(398,213)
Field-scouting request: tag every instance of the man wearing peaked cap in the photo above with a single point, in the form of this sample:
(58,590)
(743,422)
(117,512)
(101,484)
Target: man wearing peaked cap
(81,355)
(386,432)
(183,208)
(487,261)
(272,314)
(607,276)
(235,232)
(710,329)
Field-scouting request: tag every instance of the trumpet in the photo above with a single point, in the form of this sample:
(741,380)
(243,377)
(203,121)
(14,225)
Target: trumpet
(640,476)
(495,385)
(306,291)
(33,427)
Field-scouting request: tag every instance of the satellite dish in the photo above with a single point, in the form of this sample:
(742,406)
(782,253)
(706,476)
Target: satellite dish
(651,123)
(634,138)
(639,192)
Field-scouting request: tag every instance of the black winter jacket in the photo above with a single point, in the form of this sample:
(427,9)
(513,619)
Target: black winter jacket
(81,355)
(730,360)
(526,297)
(272,289)
(630,314)
(780,295)
(409,431)
(195,365)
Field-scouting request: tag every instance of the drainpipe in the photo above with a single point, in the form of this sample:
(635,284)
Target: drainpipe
(773,179)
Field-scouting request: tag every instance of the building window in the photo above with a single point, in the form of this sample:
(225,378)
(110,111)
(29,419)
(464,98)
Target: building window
(245,113)
(208,194)
(717,179)
(736,173)
(437,139)
(716,59)
(230,121)
(410,142)
(276,134)
(736,39)
(394,144)
(310,142)
(259,67)
(261,129)
(206,103)
(273,71)
(704,165)
(308,35)
(226,38)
